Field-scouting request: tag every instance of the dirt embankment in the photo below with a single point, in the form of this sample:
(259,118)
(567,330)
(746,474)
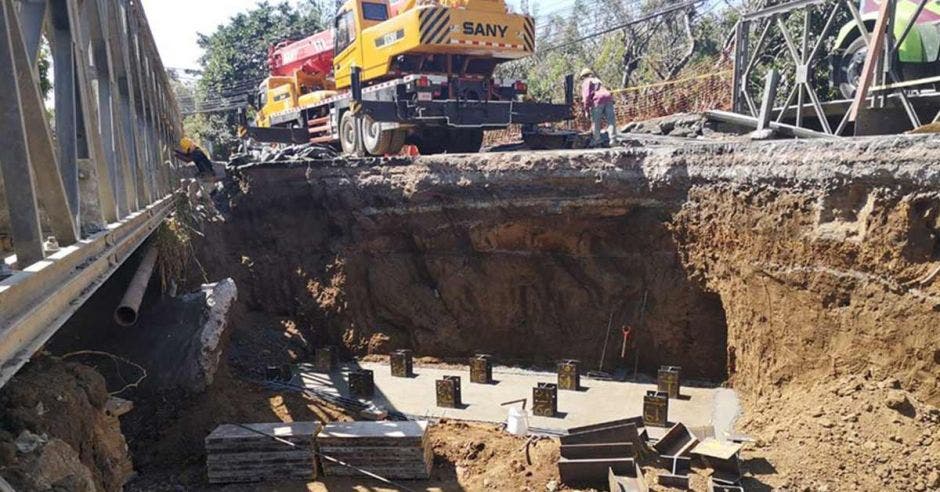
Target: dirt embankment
(380,259)
(56,432)
(791,255)
(822,283)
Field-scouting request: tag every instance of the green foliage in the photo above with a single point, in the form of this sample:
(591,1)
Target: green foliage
(566,45)
(45,65)
(236,61)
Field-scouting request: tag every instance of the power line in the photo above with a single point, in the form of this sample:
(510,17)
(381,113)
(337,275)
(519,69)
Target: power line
(639,20)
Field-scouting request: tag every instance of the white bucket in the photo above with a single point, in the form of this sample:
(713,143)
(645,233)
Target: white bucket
(518,422)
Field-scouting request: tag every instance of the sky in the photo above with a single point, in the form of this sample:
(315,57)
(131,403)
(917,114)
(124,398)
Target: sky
(175,24)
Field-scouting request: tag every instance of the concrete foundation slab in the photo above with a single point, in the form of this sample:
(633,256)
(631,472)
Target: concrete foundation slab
(596,402)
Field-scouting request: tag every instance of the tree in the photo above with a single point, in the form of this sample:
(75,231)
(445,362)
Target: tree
(236,61)
(594,34)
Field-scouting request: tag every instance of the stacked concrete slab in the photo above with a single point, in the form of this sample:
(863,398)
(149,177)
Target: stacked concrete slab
(394,450)
(258,452)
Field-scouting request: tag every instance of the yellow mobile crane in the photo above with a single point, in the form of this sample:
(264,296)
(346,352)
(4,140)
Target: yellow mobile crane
(414,69)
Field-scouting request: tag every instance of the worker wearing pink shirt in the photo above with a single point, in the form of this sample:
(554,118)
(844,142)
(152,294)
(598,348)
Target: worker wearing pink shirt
(598,104)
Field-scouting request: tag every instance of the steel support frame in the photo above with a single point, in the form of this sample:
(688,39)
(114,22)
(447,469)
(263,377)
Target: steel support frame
(805,55)
(38,301)
(115,111)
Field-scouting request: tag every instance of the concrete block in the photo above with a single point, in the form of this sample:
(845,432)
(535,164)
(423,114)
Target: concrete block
(362,383)
(668,381)
(402,362)
(656,409)
(448,392)
(324,359)
(545,400)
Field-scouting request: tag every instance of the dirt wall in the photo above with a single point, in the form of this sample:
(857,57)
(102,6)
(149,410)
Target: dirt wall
(791,255)
(530,278)
(56,432)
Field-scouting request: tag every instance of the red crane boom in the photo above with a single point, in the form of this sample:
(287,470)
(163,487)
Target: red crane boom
(313,55)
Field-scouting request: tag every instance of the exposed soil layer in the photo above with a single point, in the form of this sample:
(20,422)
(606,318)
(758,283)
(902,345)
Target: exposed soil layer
(789,254)
(56,432)
(371,265)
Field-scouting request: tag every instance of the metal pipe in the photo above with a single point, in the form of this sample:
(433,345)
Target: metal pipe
(126,312)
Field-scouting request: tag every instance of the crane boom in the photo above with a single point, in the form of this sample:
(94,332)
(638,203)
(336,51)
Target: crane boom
(313,55)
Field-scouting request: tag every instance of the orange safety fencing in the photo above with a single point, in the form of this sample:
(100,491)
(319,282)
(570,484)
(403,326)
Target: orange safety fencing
(690,94)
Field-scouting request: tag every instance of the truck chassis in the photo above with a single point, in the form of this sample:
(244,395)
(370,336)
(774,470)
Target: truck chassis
(416,108)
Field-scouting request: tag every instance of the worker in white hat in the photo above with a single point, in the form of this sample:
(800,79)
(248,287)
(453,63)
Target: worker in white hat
(598,105)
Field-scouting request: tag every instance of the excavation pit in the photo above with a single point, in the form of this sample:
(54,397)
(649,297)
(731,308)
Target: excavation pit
(800,274)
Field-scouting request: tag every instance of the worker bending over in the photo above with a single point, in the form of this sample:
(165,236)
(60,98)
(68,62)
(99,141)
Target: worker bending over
(598,105)
(190,152)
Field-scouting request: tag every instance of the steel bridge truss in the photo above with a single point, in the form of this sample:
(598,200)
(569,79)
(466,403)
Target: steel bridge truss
(806,52)
(80,195)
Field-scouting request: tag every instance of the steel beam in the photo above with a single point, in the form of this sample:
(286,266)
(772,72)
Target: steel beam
(38,301)
(32,14)
(751,122)
(18,178)
(50,189)
(64,88)
(782,8)
(82,41)
(114,108)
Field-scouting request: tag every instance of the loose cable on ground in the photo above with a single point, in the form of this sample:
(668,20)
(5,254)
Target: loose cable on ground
(116,358)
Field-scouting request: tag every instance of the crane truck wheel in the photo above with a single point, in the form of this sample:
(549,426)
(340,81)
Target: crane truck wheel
(347,134)
(848,67)
(397,142)
(375,140)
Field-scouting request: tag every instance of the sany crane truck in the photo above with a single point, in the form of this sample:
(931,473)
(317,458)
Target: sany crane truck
(414,70)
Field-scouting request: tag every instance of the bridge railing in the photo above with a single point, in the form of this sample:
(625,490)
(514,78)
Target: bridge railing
(798,38)
(81,192)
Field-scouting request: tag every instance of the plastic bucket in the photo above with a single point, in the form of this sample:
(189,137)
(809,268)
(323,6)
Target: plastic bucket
(518,422)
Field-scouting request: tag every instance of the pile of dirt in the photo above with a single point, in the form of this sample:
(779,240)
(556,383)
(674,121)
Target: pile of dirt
(482,456)
(682,125)
(856,432)
(55,430)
